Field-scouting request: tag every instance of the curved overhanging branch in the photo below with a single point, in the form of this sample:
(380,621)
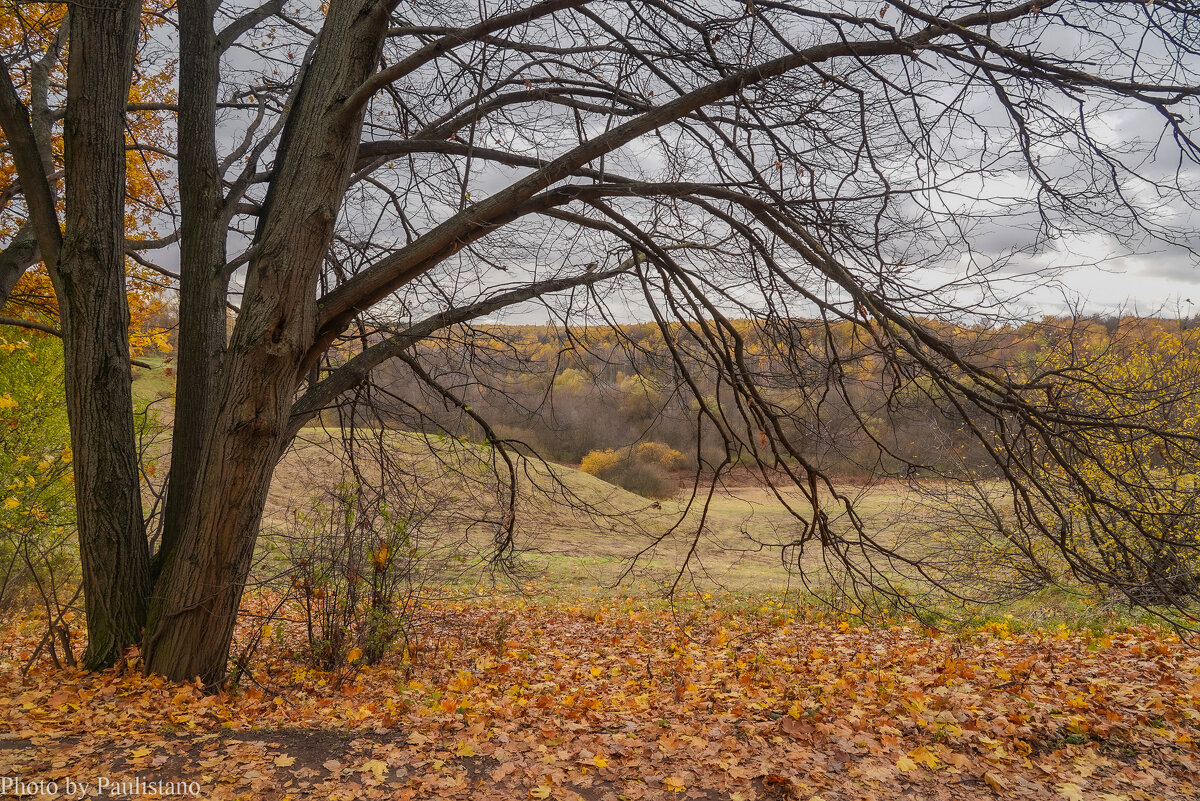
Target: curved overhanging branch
(338,307)
(356,370)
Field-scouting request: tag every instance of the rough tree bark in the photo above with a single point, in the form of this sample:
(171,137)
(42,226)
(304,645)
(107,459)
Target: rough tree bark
(195,600)
(89,280)
(20,254)
(201,263)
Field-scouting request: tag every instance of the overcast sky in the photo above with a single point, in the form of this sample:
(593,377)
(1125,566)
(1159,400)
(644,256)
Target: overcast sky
(1092,271)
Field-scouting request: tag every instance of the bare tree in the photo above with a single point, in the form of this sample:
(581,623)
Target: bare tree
(354,179)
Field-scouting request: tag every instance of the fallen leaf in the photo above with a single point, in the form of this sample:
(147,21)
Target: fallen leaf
(923,756)
(1071,791)
(995,782)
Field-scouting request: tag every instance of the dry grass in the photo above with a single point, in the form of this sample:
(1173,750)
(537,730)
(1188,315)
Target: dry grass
(575,531)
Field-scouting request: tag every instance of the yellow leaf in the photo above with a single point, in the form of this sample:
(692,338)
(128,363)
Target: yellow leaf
(1071,791)
(465,748)
(674,784)
(380,558)
(354,655)
(463,680)
(541,791)
(599,761)
(376,767)
(923,756)
(995,782)
(906,764)
(138,753)
(284,761)
(11,503)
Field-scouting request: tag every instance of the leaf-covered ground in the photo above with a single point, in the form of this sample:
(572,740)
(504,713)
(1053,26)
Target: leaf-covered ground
(620,700)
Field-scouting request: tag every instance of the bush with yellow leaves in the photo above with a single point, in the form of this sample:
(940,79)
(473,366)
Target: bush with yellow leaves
(38,564)
(643,470)
(600,463)
(1110,497)
(661,454)
(1135,498)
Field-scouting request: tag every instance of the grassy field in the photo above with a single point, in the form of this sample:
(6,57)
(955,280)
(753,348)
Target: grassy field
(578,535)
(155,383)
(578,532)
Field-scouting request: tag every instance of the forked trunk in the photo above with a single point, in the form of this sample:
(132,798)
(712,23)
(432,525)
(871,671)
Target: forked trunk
(211,542)
(201,264)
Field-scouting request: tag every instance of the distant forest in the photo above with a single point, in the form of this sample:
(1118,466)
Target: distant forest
(627,399)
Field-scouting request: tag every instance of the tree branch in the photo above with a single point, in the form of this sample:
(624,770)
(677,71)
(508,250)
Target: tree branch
(407,264)
(448,42)
(356,370)
(30,164)
(19,256)
(33,325)
(231,33)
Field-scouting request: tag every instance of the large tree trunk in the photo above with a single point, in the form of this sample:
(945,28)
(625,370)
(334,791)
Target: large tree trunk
(89,279)
(199,589)
(197,593)
(201,264)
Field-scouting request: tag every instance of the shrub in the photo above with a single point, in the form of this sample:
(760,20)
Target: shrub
(643,471)
(38,561)
(647,480)
(661,454)
(600,463)
(352,558)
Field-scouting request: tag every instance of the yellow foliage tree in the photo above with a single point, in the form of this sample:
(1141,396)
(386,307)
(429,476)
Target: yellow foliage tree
(1134,492)
(35,29)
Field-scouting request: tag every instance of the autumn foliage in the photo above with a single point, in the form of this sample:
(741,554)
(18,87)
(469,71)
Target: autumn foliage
(614,698)
(33,27)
